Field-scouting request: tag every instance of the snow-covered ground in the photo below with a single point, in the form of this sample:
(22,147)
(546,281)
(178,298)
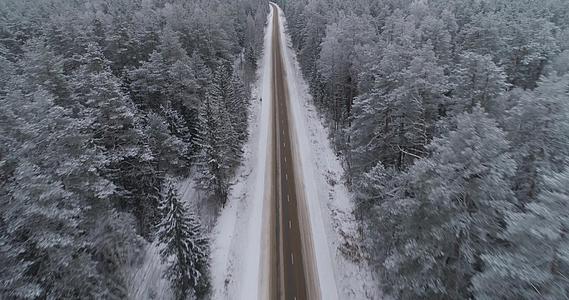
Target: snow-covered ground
(146,281)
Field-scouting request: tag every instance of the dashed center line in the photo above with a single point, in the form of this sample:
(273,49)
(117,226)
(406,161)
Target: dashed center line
(292,258)
(289,224)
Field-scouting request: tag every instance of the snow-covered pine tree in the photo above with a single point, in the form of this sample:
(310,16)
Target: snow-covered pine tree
(538,127)
(54,185)
(180,89)
(8,69)
(201,77)
(338,66)
(237,108)
(202,74)
(231,137)
(148,81)
(98,97)
(170,47)
(46,190)
(184,99)
(365,131)
(169,153)
(185,246)
(221,85)
(453,207)
(373,187)
(96,131)
(166,78)
(477,80)
(166,84)
(43,67)
(178,127)
(534,261)
(118,130)
(223,108)
(213,159)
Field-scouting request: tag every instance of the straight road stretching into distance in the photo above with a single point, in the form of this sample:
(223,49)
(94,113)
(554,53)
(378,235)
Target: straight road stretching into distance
(289,271)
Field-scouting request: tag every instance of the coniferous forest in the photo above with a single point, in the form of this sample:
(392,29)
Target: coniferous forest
(104,106)
(452,119)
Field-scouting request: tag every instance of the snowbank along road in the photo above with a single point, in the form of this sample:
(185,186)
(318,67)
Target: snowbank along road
(291,261)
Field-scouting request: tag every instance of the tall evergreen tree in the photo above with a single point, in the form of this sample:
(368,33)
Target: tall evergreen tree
(213,158)
(185,247)
(237,107)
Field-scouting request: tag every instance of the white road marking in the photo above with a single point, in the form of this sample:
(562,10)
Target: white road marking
(292,258)
(289,224)
(286,176)
(285,158)
(288,198)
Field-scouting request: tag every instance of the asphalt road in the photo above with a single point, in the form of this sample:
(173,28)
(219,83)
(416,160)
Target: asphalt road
(290,274)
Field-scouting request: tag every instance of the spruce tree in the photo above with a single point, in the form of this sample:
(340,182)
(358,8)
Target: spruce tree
(222,110)
(185,247)
(212,159)
(237,108)
(227,91)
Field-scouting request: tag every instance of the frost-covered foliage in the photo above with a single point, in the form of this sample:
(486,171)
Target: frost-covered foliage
(100,103)
(534,262)
(452,120)
(453,204)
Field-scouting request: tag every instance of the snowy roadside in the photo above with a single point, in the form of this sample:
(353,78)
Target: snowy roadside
(237,232)
(236,237)
(342,272)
